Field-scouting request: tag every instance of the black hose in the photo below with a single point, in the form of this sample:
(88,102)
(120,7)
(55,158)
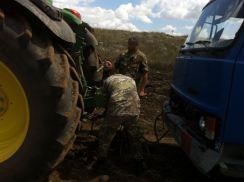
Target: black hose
(159,138)
(93,120)
(92,127)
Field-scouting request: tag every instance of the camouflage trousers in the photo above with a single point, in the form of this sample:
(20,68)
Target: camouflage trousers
(109,129)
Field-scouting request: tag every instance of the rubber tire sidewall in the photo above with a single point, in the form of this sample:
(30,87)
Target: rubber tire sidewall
(31,158)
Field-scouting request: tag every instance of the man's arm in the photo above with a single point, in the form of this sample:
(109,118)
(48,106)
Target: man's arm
(105,96)
(143,85)
(144,79)
(117,64)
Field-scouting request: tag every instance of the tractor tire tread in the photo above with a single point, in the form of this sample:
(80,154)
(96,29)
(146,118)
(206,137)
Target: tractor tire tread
(64,81)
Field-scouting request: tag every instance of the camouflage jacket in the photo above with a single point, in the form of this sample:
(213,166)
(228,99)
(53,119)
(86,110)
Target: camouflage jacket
(132,65)
(122,96)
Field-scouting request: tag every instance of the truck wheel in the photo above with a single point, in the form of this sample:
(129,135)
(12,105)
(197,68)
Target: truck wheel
(40,105)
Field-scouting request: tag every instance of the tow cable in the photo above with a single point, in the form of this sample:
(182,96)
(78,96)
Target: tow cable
(93,118)
(166,131)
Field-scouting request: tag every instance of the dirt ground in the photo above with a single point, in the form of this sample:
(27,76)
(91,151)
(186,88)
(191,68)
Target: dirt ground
(166,163)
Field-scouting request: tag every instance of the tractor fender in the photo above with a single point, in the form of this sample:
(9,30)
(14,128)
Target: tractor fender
(58,27)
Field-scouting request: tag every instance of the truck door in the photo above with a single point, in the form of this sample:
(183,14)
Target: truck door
(234,127)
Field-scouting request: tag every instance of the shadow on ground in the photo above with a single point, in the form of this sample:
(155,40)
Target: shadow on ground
(166,163)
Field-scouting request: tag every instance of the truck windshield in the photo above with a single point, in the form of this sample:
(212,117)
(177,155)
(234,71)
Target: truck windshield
(218,25)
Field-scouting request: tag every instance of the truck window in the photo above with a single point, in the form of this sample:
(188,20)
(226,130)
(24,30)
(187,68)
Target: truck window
(218,25)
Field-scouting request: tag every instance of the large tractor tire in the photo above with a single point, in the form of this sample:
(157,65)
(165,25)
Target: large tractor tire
(40,104)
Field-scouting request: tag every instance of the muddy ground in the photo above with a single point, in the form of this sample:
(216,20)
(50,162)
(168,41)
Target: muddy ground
(166,162)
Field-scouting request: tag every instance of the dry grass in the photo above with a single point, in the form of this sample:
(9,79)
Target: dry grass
(161,49)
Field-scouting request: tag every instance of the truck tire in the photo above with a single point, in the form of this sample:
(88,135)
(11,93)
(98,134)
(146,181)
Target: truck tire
(40,104)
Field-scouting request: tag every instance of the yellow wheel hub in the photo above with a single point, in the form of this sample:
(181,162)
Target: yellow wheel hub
(14,113)
(3,102)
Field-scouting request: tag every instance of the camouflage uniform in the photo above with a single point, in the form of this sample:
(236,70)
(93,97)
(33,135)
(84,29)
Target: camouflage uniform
(132,65)
(123,109)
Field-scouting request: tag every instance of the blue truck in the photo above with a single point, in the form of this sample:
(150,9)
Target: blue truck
(205,112)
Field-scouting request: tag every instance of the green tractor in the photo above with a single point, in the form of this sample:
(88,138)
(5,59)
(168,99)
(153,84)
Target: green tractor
(42,86)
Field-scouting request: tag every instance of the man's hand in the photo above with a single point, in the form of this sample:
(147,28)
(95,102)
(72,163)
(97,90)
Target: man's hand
(143,85)
(109,65)
(142,93)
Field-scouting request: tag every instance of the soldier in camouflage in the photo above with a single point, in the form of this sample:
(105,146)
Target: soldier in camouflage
(133,63)
(123,108)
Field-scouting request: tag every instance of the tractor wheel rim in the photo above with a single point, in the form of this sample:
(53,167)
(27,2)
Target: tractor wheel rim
(14,114)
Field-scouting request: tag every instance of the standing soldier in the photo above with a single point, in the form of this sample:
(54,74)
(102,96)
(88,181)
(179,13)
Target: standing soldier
(133,63)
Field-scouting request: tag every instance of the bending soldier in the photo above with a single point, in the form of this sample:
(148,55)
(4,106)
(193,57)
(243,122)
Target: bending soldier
(123,108)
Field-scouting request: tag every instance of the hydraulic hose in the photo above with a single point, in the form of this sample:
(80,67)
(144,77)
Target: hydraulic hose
(159,138)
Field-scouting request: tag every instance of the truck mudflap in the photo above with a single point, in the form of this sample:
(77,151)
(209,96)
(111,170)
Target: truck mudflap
(203,158)
(58,27)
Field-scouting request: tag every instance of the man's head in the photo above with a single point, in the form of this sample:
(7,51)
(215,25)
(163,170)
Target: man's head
(133,44)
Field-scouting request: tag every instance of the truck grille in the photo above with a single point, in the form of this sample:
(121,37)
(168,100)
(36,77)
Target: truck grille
(191,117)
(188,113)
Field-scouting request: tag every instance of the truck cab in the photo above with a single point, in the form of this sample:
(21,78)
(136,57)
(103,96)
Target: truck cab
(205,112)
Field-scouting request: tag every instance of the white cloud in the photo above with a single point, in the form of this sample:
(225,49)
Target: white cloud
(145,11)
(128,12)
(100,17)
(189,28)
(179,9)
(124,10)
(70,3)
(104,18)
(170,9)
(169,29)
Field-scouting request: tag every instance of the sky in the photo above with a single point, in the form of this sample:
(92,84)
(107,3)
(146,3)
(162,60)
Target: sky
(175,17)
